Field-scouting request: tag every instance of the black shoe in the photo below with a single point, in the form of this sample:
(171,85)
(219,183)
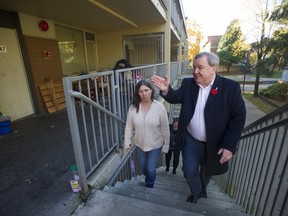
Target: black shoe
(192,199)
(167,169)
(174,171)
(204,194)
(189,199)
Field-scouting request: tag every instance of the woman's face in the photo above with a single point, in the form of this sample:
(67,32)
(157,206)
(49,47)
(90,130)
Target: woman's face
(145,93)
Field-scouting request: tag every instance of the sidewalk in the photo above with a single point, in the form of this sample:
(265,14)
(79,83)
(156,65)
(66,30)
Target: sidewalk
(250,78)
(252,113)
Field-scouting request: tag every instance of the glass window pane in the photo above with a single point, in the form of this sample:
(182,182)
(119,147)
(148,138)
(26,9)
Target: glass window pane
(72,52)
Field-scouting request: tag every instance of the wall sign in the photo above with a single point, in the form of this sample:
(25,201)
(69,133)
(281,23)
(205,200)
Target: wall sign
(47,54)
(3,49)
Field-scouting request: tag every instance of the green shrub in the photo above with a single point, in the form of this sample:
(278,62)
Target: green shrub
(277,91)
(265,93)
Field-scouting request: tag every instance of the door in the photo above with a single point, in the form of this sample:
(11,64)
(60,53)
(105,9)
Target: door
(15,99)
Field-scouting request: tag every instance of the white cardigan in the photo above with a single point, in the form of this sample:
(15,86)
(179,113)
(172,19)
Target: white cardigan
(151,130)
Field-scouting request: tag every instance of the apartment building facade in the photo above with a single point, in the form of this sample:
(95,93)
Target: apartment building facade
(48,40)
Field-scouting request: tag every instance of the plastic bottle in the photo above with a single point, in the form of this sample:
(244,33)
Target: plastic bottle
(75,181)
(74,170)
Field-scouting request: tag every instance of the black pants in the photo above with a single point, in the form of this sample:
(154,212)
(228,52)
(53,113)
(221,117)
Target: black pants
(168,157)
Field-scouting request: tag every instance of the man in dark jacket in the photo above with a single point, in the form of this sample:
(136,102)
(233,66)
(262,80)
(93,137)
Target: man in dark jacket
(211,120)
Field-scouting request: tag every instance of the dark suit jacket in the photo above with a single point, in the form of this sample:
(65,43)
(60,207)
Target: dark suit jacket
(224,115)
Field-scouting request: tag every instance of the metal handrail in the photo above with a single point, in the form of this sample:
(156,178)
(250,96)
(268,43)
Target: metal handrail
(126,170)
(94,104)
(258,178)
(267,117)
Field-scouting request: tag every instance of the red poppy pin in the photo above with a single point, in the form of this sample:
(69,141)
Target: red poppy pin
(214,91)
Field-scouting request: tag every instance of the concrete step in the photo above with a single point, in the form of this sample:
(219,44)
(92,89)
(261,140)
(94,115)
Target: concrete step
(101,203)
(173,198)
(168,197)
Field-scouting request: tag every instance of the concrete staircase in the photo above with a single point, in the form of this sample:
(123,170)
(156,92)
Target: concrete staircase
(168,197)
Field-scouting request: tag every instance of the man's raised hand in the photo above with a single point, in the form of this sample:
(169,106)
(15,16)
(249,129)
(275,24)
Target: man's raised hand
(161,83)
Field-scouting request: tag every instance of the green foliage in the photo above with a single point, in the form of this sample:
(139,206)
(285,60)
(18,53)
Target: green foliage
(271,45)
(276,47)
(277,91)
(232,48)
(280,14)
(195,36)
(267,66)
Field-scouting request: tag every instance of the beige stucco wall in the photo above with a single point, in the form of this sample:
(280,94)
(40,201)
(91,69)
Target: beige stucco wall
(30,27)
(15,99)
(37,42)
(110,48)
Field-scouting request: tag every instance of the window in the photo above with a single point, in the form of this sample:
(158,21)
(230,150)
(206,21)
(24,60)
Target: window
(74,59)
(144,49)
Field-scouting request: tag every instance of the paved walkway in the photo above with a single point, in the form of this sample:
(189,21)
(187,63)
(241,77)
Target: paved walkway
(253,113)
(34,166)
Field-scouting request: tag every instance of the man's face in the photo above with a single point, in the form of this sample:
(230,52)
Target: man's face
(203,72)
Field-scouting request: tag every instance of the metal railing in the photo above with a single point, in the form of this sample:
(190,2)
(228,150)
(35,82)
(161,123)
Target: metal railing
(258,175)
(129,168)
(97,105)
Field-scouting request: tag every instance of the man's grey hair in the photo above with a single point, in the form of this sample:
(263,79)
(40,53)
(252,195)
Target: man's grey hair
(212,59)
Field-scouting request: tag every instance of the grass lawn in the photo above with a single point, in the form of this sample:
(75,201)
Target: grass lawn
(261,104)
(277,75)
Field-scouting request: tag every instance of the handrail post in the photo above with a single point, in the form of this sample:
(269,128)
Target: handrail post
(72,117)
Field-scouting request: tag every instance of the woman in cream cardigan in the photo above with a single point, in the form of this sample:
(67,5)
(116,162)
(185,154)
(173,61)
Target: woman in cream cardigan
(147,121)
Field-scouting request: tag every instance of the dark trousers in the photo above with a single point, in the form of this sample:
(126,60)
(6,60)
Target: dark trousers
(168,157)
(194,164)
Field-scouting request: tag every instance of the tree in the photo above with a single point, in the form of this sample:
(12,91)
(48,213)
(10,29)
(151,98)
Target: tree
(195,36)
(276,47)
(232,46)
(263,31)
(280,14)
(279,42)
